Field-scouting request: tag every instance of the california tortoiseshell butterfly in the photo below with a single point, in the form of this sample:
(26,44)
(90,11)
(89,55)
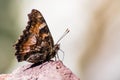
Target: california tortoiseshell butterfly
(36,44)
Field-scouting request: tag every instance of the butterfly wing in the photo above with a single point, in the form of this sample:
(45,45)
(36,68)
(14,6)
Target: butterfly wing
(36,43)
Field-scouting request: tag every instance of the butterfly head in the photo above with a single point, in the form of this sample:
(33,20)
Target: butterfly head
(56,47)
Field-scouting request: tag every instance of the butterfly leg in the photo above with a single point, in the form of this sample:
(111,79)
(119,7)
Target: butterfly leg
(57,56)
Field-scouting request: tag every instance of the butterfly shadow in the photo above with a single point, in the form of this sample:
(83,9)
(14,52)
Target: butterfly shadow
(35,65)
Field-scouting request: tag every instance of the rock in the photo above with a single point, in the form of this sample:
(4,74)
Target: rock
(52,70)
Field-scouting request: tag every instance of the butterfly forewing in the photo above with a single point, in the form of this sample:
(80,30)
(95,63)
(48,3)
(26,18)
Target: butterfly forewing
(36,44)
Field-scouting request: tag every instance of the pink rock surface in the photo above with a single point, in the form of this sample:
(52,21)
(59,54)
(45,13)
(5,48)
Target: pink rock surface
(52,70)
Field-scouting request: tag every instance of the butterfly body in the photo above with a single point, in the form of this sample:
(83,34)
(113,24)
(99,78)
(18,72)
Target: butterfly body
(36,44)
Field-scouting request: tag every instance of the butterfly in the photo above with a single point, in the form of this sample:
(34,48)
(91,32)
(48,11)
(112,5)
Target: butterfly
(36,43)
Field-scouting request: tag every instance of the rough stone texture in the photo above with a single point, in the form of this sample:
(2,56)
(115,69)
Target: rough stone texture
(52,70)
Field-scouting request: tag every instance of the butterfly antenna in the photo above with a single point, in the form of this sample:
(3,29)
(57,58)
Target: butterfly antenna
(64,34)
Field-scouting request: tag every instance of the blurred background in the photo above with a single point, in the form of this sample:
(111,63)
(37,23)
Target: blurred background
(92,48)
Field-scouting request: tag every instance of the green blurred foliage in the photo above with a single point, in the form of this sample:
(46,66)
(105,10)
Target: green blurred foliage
(8,29)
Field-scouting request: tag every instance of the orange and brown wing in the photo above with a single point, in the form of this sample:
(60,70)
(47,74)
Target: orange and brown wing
(36,42)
